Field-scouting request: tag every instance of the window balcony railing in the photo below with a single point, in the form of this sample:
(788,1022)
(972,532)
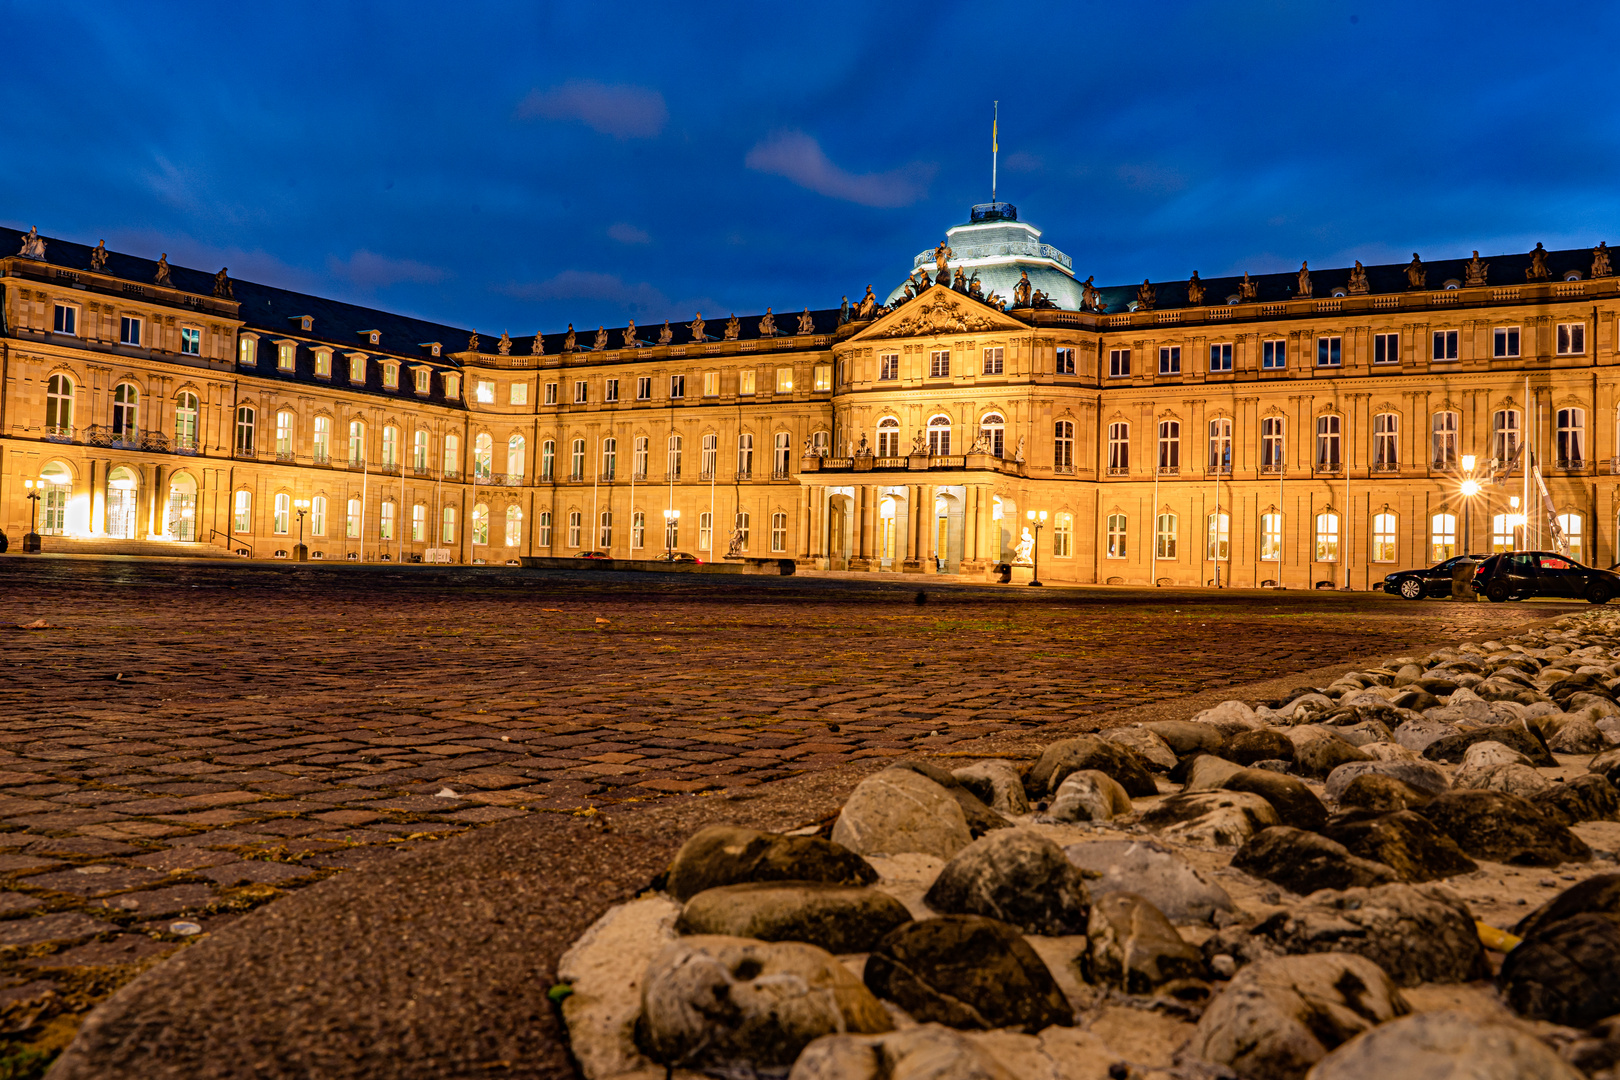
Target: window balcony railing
(128,439)
(1272,469)
(58,433)
(706,474)
(1169,470)
(357,463)
(745,474)
(286,456)
(1614,466)
(1333,467)
(1119,470)
(1442,464)
(245,452)
(389,469)
(453,475)
(781,474)
(1386,466)
(155,441)
(891,463)
(639,476)
(1573,463)
(1063,470)
(1221,469)
(320,457)
(576,478)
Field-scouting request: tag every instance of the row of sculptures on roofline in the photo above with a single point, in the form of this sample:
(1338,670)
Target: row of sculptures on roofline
(1025,295)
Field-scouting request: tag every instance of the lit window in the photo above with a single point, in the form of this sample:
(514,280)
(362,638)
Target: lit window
(641,453)
(888,366)
(638,529)
(1505,341)
(247,351)
(610,459)
(514,527)
(711,384)
(322,440)
(1219,547)
(357,442)
(1170,360)
(576,470)
(1119,448)
(992,361)
(543,531)
(186,410)
(418,523)
(390,446)
(745,455)
(1119,363)
(242,513)
(67,319)
(1116,536)
(1571,438)
(1386,442)
(1571,524)
(385,526)
(129,330)
(323,362)
(1164,536)
(1169,446)
(390,373)
(317,516)
(483,456)
(447,527)
(424,380)
(516,451)
(1383,537)
(674,462)
(1270,537)
(1445,345)
(548,459)
(419,451)
(484,391)
(939,364)
(1063,536)
(1065,364)
(1327,351)
(1063,444)
(1571,339)
(190,341)
(823,374)
(1273,355)
(574,526)
(480,525)
(1220,357)
(1386,348)
(351,521)
(452,456)
(452,386)
(746,381)
(784,380)
(705,531)
(1327,537)
(778,532)
(1501,533)
(742,531)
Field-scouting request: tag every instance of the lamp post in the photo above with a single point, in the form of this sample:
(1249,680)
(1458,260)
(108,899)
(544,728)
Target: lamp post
(1469,488)
(31,541)
(1036,519)
(670,518)
(301,553)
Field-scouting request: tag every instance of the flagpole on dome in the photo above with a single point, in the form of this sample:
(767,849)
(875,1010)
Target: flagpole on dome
(995,148)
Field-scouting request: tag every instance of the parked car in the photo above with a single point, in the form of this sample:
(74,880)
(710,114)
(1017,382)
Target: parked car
(593,555)
(676,556)
(1518,575)
(1433,582)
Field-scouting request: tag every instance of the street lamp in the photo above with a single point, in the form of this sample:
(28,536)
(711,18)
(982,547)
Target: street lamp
(31,541)
(1036,519)
(301,553)
(671,517)
(1469,488)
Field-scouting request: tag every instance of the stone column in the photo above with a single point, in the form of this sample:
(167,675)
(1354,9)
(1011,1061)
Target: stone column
(928,528)
(154,519)
(913,560)
(861,559)
(98,499)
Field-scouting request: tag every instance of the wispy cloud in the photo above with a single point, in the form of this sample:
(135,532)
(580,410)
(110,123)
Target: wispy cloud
(799,158)
(617,109)
(626,233)
(638,298)
(372,271)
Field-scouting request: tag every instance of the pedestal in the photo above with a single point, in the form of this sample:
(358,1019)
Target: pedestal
(300,553)
(1022,575)
(31,543)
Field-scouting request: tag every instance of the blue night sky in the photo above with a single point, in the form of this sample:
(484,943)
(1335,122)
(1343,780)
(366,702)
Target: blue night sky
(517,167)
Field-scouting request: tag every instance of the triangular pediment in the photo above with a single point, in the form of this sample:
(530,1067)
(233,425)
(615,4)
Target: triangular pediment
(940,310)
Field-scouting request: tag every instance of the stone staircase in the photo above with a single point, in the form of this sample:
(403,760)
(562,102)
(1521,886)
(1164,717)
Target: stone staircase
(174,549)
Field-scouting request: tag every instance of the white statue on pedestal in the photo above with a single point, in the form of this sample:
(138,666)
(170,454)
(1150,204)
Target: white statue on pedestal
(1023,554)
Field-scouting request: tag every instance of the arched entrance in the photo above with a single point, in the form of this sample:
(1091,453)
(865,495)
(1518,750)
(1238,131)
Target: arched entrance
(123,488)
(1004,529)
(948,532)
(889,511)
(180,518)
(840,531)
(53,508)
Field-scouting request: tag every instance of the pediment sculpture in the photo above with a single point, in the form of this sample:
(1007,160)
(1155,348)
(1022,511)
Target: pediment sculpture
(1358,280)
(537,347)
(1474,270)
(1417,275)
(868,305)
(222,285)
(1304,292)
(472,343)
(162,275)
(1248,288)
(1600,260)
(1195,290)
(939,317)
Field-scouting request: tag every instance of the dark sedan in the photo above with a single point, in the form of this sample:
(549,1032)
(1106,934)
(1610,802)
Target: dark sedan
(1433,582)
(1519,575)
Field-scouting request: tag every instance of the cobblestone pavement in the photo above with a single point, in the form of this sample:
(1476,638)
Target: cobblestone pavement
(182,742)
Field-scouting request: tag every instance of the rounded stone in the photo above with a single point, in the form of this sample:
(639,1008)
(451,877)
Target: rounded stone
(1018,877)
(838,918)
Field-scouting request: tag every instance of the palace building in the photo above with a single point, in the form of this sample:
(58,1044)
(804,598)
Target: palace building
(1301,428)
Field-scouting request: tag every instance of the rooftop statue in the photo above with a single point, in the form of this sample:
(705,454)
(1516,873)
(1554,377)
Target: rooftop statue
(33,247)
(1537,271)
(697,328)
(569,344)
(1600,260)
(162,275)
(1090,298)
(472,343)
(98,257)
(1474,270)
(537,347)
(504,346)
(666,335)
(733,327)
(868,305)
(1041,300)
(807,325)
(1195,290)
(1145,296)
(908,291)
(601,339)
(941,254)
(974,289)
(1417,276)
(1021,291)
(959,283)
(843,312)
(1248,288)
(1304,280)
(923,281)
(222,285)
(630,341)
(1358,280)
(767,324)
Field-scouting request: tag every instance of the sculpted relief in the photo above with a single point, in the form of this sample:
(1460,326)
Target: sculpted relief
(940,317)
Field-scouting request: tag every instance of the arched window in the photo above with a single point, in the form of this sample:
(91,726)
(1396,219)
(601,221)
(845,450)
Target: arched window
(1571,438)
(180,520)
(1271,533)
(888,437)
(1386,442)
(1219,547)
(641,457)
(385,526)
(284,436)
(419,453)
(1063,536)
(1119,449)
(514,527)
(604,530)
(745,456)
(126,413)
(317,516)
(244,430)
(390,446)
(781,466)
(576,468)
(1164,530)
(58,493)
(242,512)
(1383,546)
(548,460)
(779,531)
(515,453)
(447,528)
(483,461)
(1063,445)
(322,440)
(122,487)
(185,422)
(351,522)
(1170,446)
(452,456)
(993,430)
(1327,442)
(820,443)
(939,436)
(281,521)
(1442,537)
(1116,536)
(674,464)
(59,406)
(1327,537)
(1504,434)
(357,442)
(1444,428)
(1573,527)
(480,524)
(1220,445)
(610,458)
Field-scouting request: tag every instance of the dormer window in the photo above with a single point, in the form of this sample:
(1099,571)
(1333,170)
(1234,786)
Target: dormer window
(357,368)
(286,352)
(424,380)
(306,323)
(433,347)
(247,350)
(373,337)
(323,363)
(452,386)
(390,374)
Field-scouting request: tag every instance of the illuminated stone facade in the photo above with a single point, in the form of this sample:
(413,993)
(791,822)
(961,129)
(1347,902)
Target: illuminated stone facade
(1324,413)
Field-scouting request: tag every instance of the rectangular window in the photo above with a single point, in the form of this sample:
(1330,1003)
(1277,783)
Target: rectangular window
(1383,548)
(129,331)
(1119,449)
(1170,446)
(823,374)
(1270,537)
(1327,537)
(741,533)
(784,380)
(1504,434)
(452,386)
(548,459)
(286,352)
(746,380)
(418,523)
(242,516)
(711,384)
(638,529)
(992,361)
(1386,348)
(424,381)
(677,386)
(323,362)
(1063,536)
(581,391)
(447,527)
(518,393)
(247,351)
(1271,444)
(1571,438)
(1327,351)
(1063,445)
(190,341)
(317,516)
(1445,440)
(778,532)
(551,393)
(1170,360)
(1327,443)
(610,390)
(573,529)
(1273,355)
(1442,537)
(1220,445)
(390,373)
(357,376)
(643,389)
(888,366)
(67,319)
(385,528)
(705,531)
(1505,341)
(1065,366)
(1116,536)
(1386,442)
(1571,338)
(1219,547)
(544,537)
(1119,363)
(483,390)
(1220,357)
(1164,530)
(1445,345)
(939,364)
